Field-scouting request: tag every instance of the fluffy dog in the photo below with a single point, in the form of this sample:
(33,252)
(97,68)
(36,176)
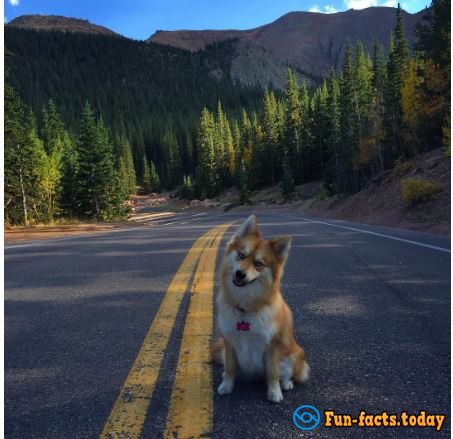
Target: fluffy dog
(255,322)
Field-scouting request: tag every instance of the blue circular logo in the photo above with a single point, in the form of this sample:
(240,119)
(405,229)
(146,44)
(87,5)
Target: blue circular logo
(306,417)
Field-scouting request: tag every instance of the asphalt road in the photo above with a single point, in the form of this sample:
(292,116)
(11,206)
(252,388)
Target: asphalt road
(371,308)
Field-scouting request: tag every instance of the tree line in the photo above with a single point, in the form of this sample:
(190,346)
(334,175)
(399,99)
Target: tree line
(357,123)
(148,93)
(376,110)
(48,175)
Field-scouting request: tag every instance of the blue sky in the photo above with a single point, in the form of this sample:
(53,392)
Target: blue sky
(140,18)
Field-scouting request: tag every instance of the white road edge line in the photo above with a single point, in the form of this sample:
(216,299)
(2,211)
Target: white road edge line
(407,241)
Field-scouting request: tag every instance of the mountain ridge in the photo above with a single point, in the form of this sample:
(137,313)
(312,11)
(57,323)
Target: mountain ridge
(59,23)
(310,43)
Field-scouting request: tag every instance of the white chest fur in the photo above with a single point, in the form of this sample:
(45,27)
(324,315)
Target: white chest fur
(250,345)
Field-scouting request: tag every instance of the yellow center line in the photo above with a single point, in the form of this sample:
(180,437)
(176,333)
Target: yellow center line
(129,412)
(191,406)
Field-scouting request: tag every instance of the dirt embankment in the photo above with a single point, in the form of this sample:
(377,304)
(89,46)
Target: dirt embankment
(381,202)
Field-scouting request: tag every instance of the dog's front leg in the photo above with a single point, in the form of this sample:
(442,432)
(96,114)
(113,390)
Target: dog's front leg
(230,370)
(272,358)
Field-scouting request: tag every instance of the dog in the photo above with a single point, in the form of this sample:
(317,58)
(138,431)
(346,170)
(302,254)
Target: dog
(255,322)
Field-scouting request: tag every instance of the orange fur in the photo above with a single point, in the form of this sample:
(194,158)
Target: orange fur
(258,296)
(218,351)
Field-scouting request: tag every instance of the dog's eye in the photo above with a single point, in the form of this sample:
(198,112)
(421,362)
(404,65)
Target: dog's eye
(258,264)
(241,255)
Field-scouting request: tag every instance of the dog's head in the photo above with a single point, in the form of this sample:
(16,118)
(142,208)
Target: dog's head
(254,264)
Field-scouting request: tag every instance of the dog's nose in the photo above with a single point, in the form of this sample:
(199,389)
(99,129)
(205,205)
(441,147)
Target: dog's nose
(240,275)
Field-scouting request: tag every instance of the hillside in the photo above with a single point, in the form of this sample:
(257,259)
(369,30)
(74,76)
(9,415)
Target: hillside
(145,91)
(58,23)
(380,202)
(310,42)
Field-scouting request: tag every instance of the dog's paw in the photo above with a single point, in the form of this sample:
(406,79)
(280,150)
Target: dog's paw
(226,387)
(287,385)
(274,393)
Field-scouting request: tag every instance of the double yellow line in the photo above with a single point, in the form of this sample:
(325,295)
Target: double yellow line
(190,413)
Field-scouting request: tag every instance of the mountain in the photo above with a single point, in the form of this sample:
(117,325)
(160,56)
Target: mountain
(59,23)
(150,93)
(310,42)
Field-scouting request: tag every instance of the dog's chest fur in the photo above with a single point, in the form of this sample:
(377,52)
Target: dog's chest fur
(250,346)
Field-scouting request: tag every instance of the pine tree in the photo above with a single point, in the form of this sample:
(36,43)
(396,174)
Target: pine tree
(363,85)
(310,149)
(396,69)
(174,165)
(147,182)
(55,139)
(345,173)
(16,207)
(412,108)
(69,180)
(314,130)
(25,164)
(99,186)
(375,154)
(237,142)
(433,45)
(38,173)
(333,135)
(154,178)
(125,165)
(271,136)
(52,130)
(287,179)
(223,146)
(244,190)
(292,124)
(207,179)
(187,190)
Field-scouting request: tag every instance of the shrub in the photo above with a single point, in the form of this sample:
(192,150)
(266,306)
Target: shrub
(322,194)
(400,168)
(417,190)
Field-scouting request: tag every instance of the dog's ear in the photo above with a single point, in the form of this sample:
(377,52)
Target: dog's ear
(281,246)
(249,227)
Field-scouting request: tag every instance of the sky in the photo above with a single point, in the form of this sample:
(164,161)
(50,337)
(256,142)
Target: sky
(140,18)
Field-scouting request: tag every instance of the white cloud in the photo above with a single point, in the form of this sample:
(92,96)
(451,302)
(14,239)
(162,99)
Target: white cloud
(328,9)
(14,2)
(360,4)
(355,4)
(6,19)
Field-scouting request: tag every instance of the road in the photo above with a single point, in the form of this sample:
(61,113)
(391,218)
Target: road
(99,330)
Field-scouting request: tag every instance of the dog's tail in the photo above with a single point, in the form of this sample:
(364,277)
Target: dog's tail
(218,351)
(301,367)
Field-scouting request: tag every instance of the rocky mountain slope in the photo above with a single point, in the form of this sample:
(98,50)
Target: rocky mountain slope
(310,42)
(59,23)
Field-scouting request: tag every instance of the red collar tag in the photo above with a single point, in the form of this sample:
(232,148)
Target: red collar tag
(242,326)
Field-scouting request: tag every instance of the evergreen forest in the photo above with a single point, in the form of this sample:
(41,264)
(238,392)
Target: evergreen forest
(89,119)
